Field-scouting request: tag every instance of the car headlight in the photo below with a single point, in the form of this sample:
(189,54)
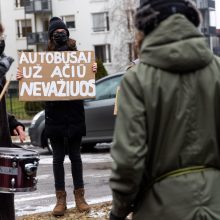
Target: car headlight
(36,117)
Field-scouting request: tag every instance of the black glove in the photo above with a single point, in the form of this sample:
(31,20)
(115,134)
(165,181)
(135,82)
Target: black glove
(10,60)
(5,63)
(114,217)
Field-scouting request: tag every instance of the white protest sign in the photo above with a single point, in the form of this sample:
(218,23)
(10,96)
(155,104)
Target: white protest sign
(50,76)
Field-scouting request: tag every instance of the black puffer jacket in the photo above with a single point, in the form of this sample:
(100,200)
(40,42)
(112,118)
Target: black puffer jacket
(5,138)
(65,119)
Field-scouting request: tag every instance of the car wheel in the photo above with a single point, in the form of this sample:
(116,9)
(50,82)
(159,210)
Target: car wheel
(49,147)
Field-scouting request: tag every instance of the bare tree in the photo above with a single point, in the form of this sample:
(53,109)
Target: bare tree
(121,19)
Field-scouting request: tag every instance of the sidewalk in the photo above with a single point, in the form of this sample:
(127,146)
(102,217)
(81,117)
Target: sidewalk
(98,212)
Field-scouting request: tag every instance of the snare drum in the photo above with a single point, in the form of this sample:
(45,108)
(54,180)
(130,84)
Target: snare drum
(18,169)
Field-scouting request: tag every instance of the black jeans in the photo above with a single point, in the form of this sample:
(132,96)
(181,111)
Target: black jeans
(72,145)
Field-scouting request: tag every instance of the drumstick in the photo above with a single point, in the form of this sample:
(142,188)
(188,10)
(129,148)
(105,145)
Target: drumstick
(6,86)
(4,89)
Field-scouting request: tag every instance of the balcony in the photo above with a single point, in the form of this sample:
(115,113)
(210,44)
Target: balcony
(216,50)
(206,4)
(38,6)
(207,31)
(37,38)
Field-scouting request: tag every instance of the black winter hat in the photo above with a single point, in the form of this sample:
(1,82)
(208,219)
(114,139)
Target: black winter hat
(158,2)
(56,23)
(144,2)
(148,17)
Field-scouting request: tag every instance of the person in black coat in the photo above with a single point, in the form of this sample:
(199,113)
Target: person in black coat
(65,126)
(8,124)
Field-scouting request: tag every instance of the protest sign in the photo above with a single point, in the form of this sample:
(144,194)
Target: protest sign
(50,76)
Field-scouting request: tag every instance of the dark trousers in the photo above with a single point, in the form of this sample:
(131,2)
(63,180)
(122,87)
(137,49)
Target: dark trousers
(72,147)
(5,136)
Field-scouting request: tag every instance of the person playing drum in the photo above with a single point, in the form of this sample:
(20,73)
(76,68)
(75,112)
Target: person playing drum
(8,124)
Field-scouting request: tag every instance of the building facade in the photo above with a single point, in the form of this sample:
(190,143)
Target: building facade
(208,25)
(217,43)
(104,26)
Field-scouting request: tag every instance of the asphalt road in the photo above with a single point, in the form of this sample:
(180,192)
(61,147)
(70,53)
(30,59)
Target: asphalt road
(96,168)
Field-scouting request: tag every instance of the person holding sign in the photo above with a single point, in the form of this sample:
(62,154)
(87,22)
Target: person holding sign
(65,126)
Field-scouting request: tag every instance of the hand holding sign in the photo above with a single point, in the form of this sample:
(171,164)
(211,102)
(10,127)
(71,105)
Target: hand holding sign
(19,74)
(56,75)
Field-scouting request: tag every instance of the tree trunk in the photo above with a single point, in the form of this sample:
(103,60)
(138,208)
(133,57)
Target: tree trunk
(7,210)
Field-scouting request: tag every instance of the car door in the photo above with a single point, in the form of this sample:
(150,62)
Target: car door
(100,119)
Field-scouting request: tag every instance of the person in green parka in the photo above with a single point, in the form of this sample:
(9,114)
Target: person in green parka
(166,147)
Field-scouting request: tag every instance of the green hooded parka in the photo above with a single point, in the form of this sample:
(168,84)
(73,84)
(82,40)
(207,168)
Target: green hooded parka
(166,149)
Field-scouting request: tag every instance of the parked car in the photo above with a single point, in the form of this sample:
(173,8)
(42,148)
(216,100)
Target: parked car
(99,116)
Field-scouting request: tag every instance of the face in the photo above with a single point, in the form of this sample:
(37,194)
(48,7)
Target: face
(60,36)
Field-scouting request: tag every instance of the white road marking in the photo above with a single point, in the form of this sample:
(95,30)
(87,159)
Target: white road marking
(97,175)
(34,198)
(86,158)
(42,177)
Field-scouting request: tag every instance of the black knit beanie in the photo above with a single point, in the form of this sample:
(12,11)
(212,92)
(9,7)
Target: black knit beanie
(56,23)
(144,2)
(152,12)
(160,2)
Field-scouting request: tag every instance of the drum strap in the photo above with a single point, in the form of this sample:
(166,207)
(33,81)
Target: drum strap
(174,173)
(182,171)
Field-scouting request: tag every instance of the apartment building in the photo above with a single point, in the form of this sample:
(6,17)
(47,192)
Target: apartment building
(208,25)
(217,42)
(104,26)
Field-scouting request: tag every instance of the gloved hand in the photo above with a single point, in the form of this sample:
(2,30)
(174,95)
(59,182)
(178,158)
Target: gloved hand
(5,63)
(10,60)
(114,217)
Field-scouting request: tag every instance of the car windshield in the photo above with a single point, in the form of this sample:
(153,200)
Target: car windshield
(107,89)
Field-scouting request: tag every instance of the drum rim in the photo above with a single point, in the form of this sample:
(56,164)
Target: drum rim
(20,158)
(12,152)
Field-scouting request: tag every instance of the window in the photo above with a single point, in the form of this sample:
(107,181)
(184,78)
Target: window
(45,5)
(103,53)
(70,21)
(29,3)
(23,27)
(132,52)
(45,24)
(100,22)
(130,19)
(26,50)
(107,89)
(19,3)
